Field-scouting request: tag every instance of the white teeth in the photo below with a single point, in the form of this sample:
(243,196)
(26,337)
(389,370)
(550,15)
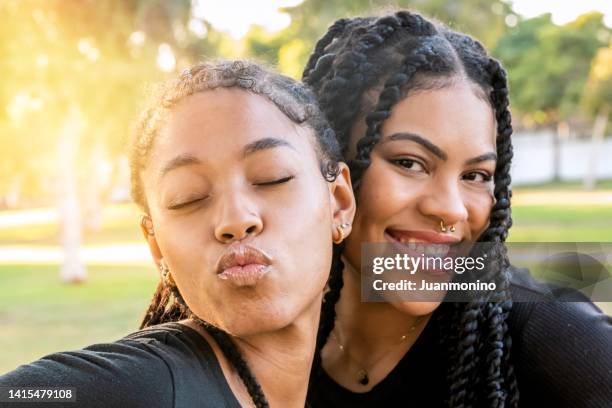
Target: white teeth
(441,250)
(426,248)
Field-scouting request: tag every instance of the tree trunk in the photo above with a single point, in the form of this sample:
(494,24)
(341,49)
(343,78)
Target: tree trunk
(96,181)
(12,198)
(599,130)
(72,269)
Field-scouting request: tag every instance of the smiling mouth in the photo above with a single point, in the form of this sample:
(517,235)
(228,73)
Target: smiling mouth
(418,247)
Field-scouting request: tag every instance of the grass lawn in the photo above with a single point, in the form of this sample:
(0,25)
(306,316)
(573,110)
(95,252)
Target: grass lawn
(556,223)
(39,315)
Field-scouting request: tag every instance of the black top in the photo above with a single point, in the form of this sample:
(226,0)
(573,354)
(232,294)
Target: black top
(562,354)
(168,365)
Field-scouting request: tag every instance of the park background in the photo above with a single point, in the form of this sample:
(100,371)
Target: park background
(74,269)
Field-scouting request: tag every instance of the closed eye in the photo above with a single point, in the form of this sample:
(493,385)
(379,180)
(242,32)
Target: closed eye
(274,182)
(186,203)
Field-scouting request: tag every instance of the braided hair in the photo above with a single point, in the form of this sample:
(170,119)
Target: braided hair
(390,57)
(288,95)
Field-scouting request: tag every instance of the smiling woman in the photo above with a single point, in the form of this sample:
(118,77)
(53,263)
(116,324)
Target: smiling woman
(422,115)
(238,176)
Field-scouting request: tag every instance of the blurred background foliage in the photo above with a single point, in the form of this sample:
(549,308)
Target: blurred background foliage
(78,70)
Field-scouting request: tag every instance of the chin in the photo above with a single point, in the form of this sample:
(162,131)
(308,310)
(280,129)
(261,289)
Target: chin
(256,323)
(416,308)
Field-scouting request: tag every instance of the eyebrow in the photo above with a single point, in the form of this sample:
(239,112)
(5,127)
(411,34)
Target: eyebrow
(256,146)
(179,161)
(481,158)
(435,149)
(265,143)
(417,139)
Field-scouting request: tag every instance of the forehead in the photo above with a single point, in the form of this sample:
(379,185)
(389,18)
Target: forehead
(219,123)
(452,116)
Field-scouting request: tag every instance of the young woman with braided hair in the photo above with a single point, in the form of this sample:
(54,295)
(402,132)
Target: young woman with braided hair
(238,175)
(421,114)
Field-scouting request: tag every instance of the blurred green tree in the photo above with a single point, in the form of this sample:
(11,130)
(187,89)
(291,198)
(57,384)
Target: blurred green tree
(548,67)
(484,19)
(74,74)
(548,64)
(597,101)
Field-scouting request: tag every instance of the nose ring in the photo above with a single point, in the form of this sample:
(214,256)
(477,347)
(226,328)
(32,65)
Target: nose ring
(443,227)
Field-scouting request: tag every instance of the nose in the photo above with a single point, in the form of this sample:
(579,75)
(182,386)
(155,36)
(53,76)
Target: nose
(443,201)
(237,218)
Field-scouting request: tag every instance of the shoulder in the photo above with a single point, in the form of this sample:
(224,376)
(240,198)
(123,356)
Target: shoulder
(562,343)
(156,366)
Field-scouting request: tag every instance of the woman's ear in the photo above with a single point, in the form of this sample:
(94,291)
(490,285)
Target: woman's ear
(146,226)
(343,202)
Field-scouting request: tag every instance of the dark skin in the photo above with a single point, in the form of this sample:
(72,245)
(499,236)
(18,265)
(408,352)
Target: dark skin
(418,176)
(230,170)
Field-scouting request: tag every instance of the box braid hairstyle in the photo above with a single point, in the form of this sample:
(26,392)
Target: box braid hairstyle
(294,100)
(392,56)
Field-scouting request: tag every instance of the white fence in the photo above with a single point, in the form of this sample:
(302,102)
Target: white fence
(534,159)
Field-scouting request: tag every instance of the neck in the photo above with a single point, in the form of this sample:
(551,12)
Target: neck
(368,327)
(280,360)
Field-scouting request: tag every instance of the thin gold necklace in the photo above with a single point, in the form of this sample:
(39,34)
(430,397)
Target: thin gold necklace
(362,376)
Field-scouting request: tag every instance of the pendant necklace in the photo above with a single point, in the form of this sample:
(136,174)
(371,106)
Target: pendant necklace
(362,376)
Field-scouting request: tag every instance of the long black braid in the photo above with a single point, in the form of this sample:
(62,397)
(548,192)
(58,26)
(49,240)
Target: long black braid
(328,308)
(391,57)
(297,103)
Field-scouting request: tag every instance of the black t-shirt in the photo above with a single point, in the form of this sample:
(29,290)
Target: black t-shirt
(168,365)
(562,354)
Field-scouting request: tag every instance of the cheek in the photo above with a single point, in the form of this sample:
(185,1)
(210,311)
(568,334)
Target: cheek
(479,209)
(380,193)
(181,239)
(298,230)
(305,228)
(189,252)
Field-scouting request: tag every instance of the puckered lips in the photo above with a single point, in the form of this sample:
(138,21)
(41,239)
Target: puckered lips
(243,265)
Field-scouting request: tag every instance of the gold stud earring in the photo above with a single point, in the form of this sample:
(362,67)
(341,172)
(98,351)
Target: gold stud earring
(144,221)
(340,228)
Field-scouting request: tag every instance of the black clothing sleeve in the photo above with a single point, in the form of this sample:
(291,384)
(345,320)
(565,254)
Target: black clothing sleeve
(563,355)
(168,365)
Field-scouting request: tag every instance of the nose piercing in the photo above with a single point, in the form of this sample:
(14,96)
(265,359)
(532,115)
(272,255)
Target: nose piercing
(443,228)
